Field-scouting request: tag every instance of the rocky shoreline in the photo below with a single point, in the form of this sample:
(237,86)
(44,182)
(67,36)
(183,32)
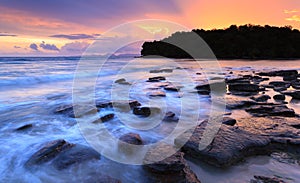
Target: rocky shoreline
(272,126)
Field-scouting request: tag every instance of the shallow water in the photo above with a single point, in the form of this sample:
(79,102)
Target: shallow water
(31,88)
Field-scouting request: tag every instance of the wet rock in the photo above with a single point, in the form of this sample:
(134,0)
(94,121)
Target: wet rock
(77,154)
(62,154)
(170,117)
(156,79)
(145,111)
(205,89)
(82,110)
(161,70)
(243,87)
(290,78)
(157,94)
(172,88)
(132,138)
(296,84)
(49,151)
(280,84)
(250,137)
(125,105)
(237,80)
(228,121)
(171,169)
(103,104)
(261,98)
(105,118)
(294,94)
(229,146)
(24,127)
(268,110)
(279,73)
(279,89)
(279,97)
(263,179)
(122,81)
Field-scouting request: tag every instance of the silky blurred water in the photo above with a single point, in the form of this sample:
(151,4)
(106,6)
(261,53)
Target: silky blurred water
(31,88)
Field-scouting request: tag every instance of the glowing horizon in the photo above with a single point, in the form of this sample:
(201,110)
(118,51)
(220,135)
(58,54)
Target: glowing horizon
(66,28)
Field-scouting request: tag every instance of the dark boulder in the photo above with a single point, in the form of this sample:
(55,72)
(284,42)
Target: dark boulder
(279,73)
(145,111)
(281,84)
(170,117)
(261,98)
(172,88)
(156,79)
(122,81)
(105,118)
(228,121)
(279,97)
(24,127)
(75,155)
(243,87)
(132,138)
(62,154)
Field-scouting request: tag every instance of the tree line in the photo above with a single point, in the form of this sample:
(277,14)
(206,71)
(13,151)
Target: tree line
(236,42)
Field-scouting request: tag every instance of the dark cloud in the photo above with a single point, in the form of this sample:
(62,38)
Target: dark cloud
(17,47)
(75,36)
(93,11)
(8,35)
(33,46)
(50,47)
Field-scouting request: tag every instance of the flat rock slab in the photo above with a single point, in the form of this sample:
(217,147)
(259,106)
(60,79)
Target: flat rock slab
(62,154)
(251,136)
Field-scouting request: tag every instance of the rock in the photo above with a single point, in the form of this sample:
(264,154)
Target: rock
(105,118)
(267,110)
(229,146)
(122,81)
(172,88)
(295,94)
(76,154)
(261,98)
(171,169)
(62,154)
(161,70)
(48,152)
(290,78)
(263,179)
(296,84)
(157,94)
(125,105)
(132,138)
(170,117)
(237,80)
(156,79)
(250,137)
(279,97)
(228,121)
(280,89)
(243,87)
(24,127)
(145,111)
(279,73)
(205,89)
(82,110)
(281,84)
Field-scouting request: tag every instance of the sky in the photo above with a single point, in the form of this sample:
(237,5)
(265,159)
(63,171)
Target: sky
(68,27)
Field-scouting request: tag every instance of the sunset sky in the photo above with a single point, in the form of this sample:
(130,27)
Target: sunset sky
(67,27)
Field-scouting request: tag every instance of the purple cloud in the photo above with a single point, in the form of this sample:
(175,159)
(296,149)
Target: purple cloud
(17,47)
(94,12)
(75,36)
(50,47)
(8,35)
(74,48)
(34,47)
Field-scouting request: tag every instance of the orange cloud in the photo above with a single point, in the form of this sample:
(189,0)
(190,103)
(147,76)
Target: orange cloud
(294,18)
(290,11)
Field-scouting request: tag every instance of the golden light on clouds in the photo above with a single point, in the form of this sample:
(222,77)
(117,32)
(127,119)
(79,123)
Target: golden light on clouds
(290,11)
(295,18)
